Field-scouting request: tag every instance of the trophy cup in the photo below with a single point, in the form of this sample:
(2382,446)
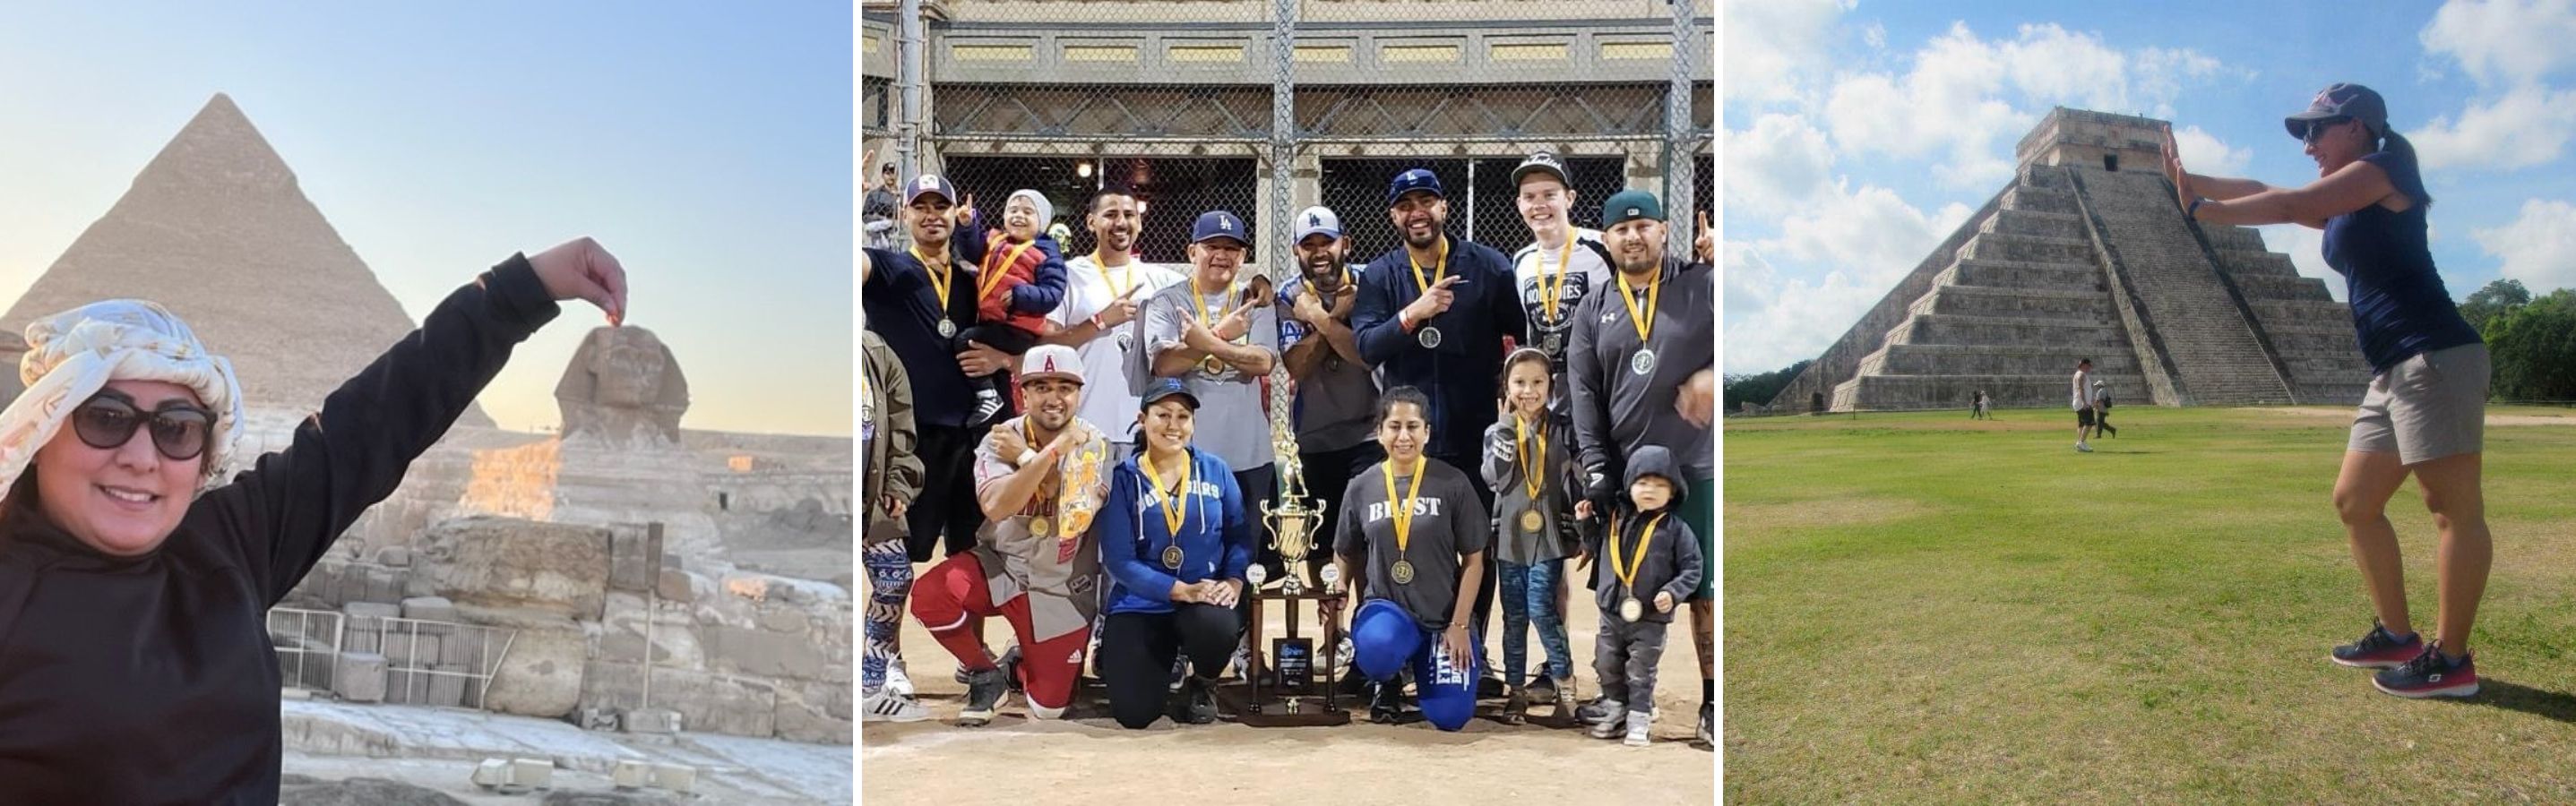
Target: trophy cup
(1288,675)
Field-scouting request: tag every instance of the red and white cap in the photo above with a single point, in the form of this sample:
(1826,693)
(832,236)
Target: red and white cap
(1051,361)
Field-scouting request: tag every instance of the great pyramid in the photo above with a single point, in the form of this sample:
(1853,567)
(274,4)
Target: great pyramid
(2086,255)
(217,229)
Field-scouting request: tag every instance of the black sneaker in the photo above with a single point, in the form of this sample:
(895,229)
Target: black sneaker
(984,693)
(1490,687)
(1198,701)
(988,405)
(2378,649)
(1708,724)
(2430,675)
(1010,663)
(1387,705)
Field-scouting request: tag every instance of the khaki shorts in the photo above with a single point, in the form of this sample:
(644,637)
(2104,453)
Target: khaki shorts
(2429,406)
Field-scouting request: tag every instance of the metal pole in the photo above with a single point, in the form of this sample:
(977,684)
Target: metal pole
(1678,159)
(910,43)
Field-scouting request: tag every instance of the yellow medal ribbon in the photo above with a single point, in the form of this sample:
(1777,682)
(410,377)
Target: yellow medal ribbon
(1127,272)
(1643,321)
(939,271)
(1628,574)
(1437,272)
(1404,507)
(1533,476)
(992,277)
(1550,293)
(1175,509)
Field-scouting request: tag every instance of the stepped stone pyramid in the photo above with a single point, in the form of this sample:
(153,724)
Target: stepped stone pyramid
(216,229)
(2084,255)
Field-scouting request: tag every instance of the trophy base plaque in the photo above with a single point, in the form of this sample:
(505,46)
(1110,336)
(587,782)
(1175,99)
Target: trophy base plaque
(1285,689)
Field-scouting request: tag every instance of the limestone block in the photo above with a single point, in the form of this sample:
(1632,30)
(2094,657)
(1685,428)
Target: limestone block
(506,563)
(635,557)
(541,676)
(814,712)
(492,772)
(534,773)
(631,774)
(405,649)
(679,778)
(393,556)
(429,608)
(764,654)
(364,625)
(384,584)
(675,585)
(359,677)
(782,619)
(651,720)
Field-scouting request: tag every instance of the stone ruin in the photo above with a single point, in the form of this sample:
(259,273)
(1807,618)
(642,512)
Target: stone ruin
(2085,254)
(528,557)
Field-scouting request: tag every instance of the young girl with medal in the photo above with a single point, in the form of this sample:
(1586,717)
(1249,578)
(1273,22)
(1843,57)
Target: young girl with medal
(1649,564)
(1529,461)
(1412,545)
(1175,543)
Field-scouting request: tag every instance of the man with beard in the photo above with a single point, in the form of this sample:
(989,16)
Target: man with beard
(1040,480)
(1336,407)
(1643,365)
(1220,341)
(1432,315)
(1107,288)
(910,297)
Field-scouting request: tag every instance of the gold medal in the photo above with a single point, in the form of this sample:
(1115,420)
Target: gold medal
(1172,558)
(1041,526)
(1403,517)
(1533,471)
(1531,521)
(1212,366)
(1643,319)
(1198,300)
(1630,609)
(1176,508)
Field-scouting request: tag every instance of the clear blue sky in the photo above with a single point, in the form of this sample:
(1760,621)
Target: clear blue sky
(706,144)
(1858,134)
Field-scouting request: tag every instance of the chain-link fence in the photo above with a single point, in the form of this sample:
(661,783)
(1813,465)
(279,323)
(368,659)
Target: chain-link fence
(1261,107)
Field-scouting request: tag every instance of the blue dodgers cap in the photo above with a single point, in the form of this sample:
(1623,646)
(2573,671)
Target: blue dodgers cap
(1318,220)
(929,183)
(1167,388)
(2342,100)
(1219,224)
(1412,180)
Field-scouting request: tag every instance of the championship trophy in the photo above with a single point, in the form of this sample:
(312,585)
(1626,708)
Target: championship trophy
(1287,679)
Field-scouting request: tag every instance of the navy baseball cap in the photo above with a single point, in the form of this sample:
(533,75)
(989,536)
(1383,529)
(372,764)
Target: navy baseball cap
(1412,180)
(928,183)
(1219,224)
(1541,161)
(1168,388)
(2342,100)
(1318,221)
(1630,205)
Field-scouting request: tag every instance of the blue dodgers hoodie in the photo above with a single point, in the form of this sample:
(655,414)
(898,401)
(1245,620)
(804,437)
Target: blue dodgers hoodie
(1215,537)
(1672,563)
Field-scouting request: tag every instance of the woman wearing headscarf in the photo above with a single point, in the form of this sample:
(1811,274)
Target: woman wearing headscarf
(135,663)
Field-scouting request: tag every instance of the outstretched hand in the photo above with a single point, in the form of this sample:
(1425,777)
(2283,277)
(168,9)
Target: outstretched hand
(2174,172)
(580,269)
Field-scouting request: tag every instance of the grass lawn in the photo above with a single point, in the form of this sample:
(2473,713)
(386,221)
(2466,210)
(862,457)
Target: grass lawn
(1924,608)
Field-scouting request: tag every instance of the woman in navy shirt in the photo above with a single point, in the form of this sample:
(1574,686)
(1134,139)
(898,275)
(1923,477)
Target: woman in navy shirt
(1175,542)
(2425,412)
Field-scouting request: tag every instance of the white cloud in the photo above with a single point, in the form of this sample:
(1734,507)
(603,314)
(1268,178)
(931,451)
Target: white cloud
(1867,240)
(1780,165)
(2528,126)
(2538,247)
(1772,45)
(1875,35)
(2504,42)
(2204,154)
(1956,103)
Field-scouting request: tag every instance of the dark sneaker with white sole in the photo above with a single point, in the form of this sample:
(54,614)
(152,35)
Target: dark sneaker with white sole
(984,693)
(2430,675)
(2379,649)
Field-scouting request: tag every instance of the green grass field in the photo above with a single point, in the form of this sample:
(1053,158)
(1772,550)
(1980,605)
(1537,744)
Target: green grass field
(1924,608)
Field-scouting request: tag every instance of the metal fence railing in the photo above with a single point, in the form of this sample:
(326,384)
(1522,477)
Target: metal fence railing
(427,662)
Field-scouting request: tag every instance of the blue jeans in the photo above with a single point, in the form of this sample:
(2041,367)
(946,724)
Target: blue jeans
(1529,597)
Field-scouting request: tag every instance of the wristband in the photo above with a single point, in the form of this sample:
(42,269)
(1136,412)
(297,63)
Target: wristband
(1027,457)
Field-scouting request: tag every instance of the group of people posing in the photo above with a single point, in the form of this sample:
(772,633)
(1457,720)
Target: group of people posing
(1472,421)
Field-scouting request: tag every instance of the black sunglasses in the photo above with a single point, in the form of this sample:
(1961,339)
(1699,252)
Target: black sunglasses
(179,431)
(2317,128)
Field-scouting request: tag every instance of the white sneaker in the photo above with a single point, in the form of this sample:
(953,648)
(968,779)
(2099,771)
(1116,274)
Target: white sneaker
(2083,448)
(1638,722)
(887,705)
(897,681)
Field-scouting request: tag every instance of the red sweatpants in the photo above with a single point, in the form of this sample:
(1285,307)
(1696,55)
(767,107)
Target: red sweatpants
(953,598)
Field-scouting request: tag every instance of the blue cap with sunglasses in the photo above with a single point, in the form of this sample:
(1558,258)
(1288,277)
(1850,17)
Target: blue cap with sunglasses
(2338,103)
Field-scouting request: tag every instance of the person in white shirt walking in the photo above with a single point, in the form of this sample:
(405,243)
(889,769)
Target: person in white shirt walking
(2087,411)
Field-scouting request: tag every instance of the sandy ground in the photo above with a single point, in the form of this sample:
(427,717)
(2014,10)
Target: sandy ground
(1092,760)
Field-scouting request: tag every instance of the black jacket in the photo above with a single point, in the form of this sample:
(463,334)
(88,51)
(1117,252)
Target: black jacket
(1673,561)
(151,679)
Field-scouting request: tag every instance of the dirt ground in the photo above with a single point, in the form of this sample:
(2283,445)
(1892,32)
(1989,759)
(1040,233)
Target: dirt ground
(1092,760)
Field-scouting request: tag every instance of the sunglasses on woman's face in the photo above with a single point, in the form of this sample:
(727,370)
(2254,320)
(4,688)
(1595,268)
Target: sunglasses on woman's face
(2318,128)
(179,431)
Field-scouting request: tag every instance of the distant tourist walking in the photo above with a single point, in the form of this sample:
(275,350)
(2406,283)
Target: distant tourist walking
(2086,415)
(2425,413)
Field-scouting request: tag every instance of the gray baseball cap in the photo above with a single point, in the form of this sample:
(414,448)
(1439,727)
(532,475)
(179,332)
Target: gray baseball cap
(2342,100)
(1541,161)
